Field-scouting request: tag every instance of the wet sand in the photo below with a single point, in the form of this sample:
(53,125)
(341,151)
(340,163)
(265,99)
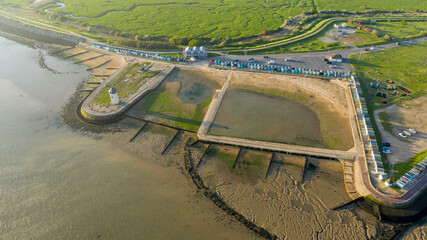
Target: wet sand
(324,98)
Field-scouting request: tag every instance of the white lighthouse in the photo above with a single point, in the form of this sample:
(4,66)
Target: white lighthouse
(114,96)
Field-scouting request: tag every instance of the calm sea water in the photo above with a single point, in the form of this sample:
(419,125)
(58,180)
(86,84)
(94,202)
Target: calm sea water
(58,184)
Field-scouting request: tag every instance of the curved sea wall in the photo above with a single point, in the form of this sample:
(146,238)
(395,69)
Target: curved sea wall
(38,33)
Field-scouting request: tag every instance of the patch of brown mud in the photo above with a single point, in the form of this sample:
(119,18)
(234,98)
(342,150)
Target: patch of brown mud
(324,179)
(284,207)
(326,99)
(173,87)
(292,165)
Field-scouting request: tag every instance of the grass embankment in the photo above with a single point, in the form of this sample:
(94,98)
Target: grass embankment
(369,5)
(291,44)
(402,168)
(128,81)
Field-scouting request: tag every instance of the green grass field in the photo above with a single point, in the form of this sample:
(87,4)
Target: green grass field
(397,31)
(405,65)
(127,82)
(209,19)
(371,5)
(163,103)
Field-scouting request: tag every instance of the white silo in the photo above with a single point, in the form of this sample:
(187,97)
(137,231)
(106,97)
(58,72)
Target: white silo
(114,96)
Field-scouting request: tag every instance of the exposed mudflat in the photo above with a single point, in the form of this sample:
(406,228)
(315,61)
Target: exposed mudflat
(326,99)
(285,202)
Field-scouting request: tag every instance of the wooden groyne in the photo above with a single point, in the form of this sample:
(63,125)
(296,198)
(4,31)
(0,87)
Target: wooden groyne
(216,199)
(170,142)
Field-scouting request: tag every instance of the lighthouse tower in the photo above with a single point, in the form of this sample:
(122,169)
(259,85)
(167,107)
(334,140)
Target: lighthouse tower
(114,96)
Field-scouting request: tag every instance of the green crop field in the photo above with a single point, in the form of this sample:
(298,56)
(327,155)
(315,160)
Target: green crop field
(211,19)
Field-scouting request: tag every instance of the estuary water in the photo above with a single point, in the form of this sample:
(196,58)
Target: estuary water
(56,183)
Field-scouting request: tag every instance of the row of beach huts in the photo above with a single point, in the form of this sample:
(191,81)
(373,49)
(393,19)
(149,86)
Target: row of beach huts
(411,174)
(372,151)
(276,68)
(139,53)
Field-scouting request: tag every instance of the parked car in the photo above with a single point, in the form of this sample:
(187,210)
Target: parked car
(412,130)
(236,60)
(366,49)
(385,144)
(407,133)
(251,60)
(386,150)
(372,48)
(265,56)
(402,135)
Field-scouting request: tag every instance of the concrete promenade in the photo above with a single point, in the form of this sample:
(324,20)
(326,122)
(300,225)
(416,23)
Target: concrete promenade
(92,115)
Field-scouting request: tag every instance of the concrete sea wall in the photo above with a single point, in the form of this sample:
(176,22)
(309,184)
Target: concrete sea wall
(38,33)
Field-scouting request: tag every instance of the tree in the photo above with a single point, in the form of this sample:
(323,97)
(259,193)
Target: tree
(387,37)
(375,32)
(403,23)
(174,40)
(195,43)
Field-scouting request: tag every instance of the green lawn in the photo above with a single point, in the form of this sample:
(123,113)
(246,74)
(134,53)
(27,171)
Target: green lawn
(211,19)
(164,104)
(129,80)
(394,29)
(402,168)
(397,31)
(405,65)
